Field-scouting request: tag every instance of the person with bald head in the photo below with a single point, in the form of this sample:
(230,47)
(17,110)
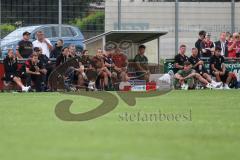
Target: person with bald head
(44,43)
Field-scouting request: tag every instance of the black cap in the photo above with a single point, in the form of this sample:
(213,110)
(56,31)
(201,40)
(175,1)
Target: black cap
(26,32)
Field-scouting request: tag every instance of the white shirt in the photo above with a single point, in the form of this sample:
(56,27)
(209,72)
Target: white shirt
(223,46)
(43,45)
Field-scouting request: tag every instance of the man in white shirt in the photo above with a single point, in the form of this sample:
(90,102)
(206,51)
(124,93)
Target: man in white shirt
(43,43)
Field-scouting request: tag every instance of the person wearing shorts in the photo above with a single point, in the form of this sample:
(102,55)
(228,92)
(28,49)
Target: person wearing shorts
(218,68)
(198,66)
(185,78)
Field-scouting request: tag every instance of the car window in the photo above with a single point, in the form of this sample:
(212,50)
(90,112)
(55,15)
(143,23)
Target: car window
(17,34)
(66,32)
(74,33)
(47,31)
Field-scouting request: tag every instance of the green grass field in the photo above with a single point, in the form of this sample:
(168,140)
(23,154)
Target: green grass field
(30,130)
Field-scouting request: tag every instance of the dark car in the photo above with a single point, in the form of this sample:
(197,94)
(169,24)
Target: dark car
(70,35)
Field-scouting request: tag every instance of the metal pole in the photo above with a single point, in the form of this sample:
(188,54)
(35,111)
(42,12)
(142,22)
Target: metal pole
(176,25)
(233,16)
(119,14)
(60,18)
(158,45)
(0,25)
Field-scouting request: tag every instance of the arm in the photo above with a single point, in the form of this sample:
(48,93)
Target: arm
(109,65)
(202,46)
(138,65)
(41,69)
(52,53)
(223,69)
(212,47)
(17,51)
(58,60)
(178,66)
(197,64)
(213,68)
(6,67)
(31,72)
(232,46)
(50,47)
(190,75)
(178,76)
(176,59)
(18,55)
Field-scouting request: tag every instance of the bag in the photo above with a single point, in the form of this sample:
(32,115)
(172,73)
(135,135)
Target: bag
(234,82)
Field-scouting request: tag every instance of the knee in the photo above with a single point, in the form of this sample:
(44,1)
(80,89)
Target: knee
(197,75)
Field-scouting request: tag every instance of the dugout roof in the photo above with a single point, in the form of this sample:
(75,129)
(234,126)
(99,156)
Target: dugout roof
(134,36)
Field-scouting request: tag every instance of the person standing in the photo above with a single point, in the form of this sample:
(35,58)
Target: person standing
(222,43)
(57,49)
(43,43)
(63,57)
(234,46)
(207,46)
(202,35)
(25,47)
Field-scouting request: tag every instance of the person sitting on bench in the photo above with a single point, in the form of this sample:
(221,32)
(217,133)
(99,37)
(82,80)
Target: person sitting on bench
(35,72)
(142,69)
(10,67)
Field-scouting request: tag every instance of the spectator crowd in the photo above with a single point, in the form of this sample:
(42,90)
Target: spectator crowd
(103,71)
(190,72)
(108,69)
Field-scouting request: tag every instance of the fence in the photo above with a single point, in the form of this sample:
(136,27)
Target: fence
(182,19)
(87,15)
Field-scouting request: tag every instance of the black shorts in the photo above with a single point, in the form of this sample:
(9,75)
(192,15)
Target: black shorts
(91,75)
(223,77)
(9,77)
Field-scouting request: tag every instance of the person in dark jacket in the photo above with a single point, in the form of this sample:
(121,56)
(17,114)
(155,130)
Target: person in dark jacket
(11,67)
(57,49)
(207,46)
(202,35)
(35,72)
(45,61)
(63,57)
(223,44)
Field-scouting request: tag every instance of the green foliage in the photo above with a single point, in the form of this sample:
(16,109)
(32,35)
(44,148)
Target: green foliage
(6,28)
(93,22)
